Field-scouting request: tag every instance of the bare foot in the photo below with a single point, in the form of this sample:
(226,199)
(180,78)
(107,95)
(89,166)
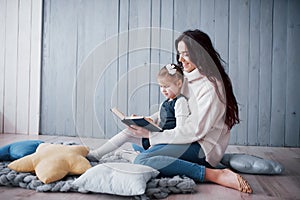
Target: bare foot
(235,181)
(228,178)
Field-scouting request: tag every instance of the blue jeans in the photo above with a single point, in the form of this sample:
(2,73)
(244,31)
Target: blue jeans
(175,159)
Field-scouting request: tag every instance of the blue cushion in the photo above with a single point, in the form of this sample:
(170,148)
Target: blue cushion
(4,153)
(19,149)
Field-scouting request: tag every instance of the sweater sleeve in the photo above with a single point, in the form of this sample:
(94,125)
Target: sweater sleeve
(182,111)
(205,108)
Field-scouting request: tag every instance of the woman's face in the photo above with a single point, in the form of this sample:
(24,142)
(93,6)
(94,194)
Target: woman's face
(184,57)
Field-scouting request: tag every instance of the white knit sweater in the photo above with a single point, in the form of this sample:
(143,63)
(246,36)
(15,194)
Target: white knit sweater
(206,124)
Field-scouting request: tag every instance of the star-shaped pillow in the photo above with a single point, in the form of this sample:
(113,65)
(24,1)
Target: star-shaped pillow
(52,162)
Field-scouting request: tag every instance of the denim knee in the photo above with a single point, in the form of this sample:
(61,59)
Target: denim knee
(141,159)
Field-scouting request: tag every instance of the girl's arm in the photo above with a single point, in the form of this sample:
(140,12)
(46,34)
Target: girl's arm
(155,117)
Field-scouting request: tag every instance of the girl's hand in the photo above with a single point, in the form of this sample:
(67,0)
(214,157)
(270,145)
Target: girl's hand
(139,131)
(149,119)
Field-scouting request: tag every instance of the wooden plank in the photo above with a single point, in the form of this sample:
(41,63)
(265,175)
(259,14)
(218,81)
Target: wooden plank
(233,56)
(279,62)
(35,67)
(155,52)
(122,85)
(265,72)
(254,58)
(83,61)
(78,96)
(222,29)
(111,70)
(292,122)
(48,71)
(243,64)
(2,60)
(208,18)
(90,30)
(44,60)
(23,69)
(64,62)
(57,67)
(95,95)
(139,57)
(169,27)
(167,24)
(96,28)
(11,57)
(79,105)
(88,97)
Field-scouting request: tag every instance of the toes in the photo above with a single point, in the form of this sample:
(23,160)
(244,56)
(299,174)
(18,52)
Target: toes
(244,186)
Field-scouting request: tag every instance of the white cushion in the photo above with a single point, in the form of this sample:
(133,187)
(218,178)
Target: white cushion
(125,179)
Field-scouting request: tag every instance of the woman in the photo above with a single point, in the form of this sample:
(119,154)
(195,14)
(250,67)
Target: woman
(198,146)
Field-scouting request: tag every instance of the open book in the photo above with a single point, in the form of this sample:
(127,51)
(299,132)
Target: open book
(137,120)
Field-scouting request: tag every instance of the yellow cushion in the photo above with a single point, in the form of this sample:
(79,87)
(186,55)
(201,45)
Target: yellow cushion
(52,162)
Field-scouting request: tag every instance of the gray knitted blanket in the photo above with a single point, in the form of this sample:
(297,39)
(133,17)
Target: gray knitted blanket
(156,188)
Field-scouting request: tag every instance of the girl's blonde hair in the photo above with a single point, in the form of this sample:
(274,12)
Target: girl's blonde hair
(171,71)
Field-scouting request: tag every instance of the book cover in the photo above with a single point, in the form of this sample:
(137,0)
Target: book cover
(136,120)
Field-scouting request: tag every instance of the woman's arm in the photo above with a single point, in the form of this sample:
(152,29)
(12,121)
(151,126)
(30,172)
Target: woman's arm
(182,111)
(206,109)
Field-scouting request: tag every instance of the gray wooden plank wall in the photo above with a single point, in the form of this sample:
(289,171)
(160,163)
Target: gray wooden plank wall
(20,65)
(98,54)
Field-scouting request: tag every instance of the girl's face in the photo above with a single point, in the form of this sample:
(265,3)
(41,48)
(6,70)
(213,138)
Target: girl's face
(184,58)
(170,89)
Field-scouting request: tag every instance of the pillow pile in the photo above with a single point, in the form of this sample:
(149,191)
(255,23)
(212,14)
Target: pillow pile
(52,162)
(124,179)
(19,149)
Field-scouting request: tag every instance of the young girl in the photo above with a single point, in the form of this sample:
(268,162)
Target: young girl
(172,112)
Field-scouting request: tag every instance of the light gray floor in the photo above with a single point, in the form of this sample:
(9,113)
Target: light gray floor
(285,186)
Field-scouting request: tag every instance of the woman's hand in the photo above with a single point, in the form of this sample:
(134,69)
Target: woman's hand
(139,131)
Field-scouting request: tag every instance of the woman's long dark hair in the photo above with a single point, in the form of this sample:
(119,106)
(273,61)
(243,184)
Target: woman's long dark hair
(209,63)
